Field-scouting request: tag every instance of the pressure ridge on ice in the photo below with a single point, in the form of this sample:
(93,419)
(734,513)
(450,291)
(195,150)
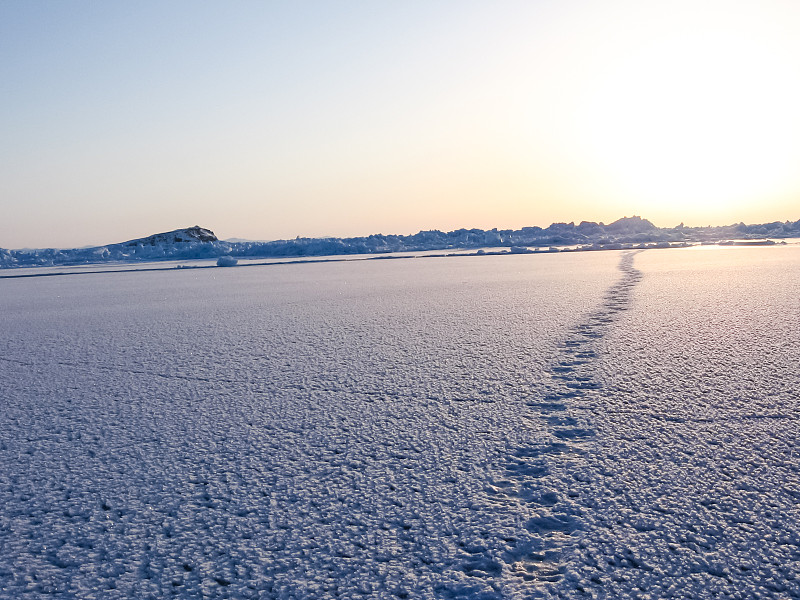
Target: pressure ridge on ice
(198,243)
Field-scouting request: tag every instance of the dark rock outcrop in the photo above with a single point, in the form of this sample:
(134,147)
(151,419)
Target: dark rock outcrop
(178,236)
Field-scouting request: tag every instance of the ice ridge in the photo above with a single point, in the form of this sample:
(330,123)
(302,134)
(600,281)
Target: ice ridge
(199,243)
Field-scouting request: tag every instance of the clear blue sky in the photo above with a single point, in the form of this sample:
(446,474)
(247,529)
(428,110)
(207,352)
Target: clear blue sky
(268,120)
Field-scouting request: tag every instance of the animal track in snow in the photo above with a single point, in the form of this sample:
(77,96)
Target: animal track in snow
(545,476)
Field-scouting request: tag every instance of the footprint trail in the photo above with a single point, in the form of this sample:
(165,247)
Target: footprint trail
(546,477)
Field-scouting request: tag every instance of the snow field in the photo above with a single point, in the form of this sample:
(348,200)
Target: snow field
(593,425)
(695,480)
(298,432)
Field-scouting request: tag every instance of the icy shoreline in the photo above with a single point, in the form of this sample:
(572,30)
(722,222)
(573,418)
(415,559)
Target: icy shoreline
(139,266)
(628,233)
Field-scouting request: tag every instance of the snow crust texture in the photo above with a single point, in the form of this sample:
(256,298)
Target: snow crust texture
(594,425)
(695,487)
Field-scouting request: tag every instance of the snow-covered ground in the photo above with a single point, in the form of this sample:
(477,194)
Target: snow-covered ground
(615,424)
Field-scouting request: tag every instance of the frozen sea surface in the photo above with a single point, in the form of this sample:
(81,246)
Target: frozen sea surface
(611,424)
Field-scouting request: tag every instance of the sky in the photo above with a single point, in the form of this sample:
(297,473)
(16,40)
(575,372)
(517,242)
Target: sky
(272,119)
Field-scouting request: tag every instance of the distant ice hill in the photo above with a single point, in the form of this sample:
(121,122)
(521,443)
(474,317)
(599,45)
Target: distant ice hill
(199,243)
(179,236)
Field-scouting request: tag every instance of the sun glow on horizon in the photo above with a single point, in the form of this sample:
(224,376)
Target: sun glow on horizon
(704,122)
(271,120)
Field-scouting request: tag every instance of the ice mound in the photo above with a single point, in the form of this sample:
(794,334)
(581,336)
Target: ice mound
(227,261)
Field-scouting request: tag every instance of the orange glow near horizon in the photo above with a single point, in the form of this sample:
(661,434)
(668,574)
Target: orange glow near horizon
(272,120)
